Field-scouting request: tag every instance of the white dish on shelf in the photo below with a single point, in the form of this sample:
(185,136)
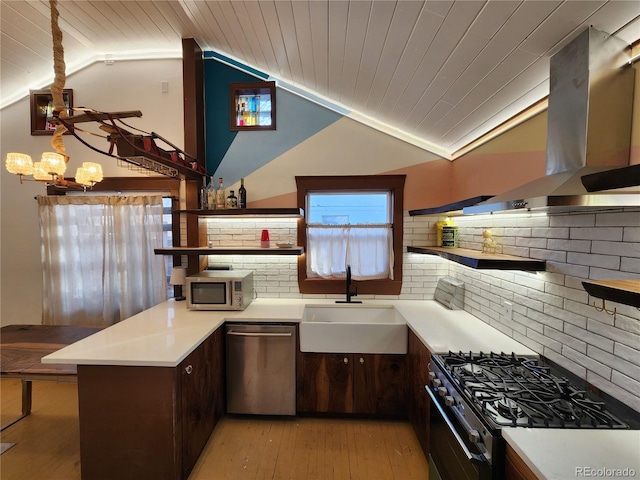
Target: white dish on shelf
(284,245)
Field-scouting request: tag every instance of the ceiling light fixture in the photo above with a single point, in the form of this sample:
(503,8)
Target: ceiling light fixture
(52,165)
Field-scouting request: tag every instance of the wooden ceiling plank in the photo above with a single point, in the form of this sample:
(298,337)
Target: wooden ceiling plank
(564,22)
(379,21)
(420,41)
(272,23)
(453,29)
(244,15)
(402,24)
(290,40)
(338,16)
(302,21)
(354,45)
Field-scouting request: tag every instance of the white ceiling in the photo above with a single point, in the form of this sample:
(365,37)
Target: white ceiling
(443,71)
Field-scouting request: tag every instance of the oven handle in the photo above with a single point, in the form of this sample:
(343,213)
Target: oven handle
(473,457)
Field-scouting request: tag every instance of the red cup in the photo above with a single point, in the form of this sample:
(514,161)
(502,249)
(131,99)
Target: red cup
(264,239)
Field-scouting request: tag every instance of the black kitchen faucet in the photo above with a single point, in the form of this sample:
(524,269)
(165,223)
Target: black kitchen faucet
(348,289)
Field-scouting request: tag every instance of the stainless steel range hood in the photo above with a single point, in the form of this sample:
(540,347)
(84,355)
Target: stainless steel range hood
(588,130)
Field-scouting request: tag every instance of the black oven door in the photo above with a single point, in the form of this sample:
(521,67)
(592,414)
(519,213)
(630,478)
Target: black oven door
(451,453)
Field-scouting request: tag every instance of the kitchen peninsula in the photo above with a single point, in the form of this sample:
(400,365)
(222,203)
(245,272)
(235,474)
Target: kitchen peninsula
(160,344)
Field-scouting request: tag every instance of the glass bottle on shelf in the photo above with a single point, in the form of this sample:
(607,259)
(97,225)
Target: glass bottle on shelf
(220,195)
(211,194)
(203,195)
(242,195)
(232,200)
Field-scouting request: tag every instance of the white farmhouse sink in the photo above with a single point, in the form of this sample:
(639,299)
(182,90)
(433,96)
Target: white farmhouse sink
(356,328)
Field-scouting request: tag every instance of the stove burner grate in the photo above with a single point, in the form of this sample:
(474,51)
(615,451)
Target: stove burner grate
(518,391)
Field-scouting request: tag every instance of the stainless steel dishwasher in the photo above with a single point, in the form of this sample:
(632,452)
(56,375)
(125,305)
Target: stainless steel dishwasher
(261,369)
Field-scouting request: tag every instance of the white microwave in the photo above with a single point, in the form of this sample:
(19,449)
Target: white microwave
(220,290)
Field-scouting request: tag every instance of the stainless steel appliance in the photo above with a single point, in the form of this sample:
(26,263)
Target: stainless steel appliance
(220,290)
(474,395)
(261,369)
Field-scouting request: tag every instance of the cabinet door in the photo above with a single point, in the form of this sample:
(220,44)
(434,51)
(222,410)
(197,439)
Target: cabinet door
(327,383)
(202,397)
(515,468)
(418,358)
(379,384)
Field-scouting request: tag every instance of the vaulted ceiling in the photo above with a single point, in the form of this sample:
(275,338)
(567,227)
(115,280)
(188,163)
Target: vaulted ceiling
(440,72)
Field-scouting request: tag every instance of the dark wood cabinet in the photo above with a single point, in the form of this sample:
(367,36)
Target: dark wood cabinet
(515,468)
(202,401)
(418,404)
(369,384)
(149,422)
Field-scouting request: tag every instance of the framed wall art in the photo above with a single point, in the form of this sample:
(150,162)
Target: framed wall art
(42,110)
(252,106)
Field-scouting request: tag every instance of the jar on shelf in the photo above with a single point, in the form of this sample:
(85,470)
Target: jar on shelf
(439,226)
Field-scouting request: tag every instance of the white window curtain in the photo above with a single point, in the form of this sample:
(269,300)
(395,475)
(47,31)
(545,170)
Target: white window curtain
(99,265)
(367,248)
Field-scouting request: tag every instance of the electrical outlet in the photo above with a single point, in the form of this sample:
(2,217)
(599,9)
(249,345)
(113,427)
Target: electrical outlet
(508,309)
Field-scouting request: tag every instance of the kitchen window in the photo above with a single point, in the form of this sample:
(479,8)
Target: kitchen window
(351,220)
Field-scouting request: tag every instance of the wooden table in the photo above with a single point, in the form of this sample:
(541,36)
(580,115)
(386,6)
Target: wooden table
(22,347)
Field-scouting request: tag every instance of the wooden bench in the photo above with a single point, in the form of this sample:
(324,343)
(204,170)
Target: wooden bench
(22,347)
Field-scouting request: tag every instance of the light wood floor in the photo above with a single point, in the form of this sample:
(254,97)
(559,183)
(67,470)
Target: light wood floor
(241,448)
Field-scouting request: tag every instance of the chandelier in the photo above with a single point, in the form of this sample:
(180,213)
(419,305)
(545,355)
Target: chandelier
(52,165)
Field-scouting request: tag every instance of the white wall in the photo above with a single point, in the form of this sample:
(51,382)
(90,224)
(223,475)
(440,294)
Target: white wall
(119,87)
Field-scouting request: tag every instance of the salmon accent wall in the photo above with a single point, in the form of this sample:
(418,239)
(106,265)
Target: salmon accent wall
(494,173)
(286,200)
(427,184)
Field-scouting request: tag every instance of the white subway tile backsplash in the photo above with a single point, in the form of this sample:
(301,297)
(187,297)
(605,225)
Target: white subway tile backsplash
(624,395)
(613,333)
(632,234)
(610,262)
(545,341)
(616,364)
(589,338)
(551,255)
(581,220)
(550,232)
(627,353)
(618,219)
(573,342)
(631,265)
(569,245)
(628,324)
(625,382)
(611,233)
(590,364)
(545,319)
(625,249)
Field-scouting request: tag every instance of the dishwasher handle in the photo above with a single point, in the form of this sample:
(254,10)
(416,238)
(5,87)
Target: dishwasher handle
(258,334)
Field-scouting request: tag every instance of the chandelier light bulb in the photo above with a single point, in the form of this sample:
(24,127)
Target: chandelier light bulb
(54,163)
(40,172)
(19,163)
(94,171)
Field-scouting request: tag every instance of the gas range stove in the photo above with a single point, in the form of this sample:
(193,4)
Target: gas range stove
(475,395)
(511,390)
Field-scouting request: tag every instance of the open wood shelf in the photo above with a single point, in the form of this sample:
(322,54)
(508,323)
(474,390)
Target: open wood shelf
(450,207)
(482,261)
(229,251)
(620,291)
(240,212)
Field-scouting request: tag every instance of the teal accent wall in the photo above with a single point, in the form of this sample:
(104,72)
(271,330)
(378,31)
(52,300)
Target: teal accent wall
(233,155)
(218,135)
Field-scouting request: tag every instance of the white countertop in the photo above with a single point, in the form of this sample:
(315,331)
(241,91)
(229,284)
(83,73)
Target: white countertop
(164,335)
(562,454)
